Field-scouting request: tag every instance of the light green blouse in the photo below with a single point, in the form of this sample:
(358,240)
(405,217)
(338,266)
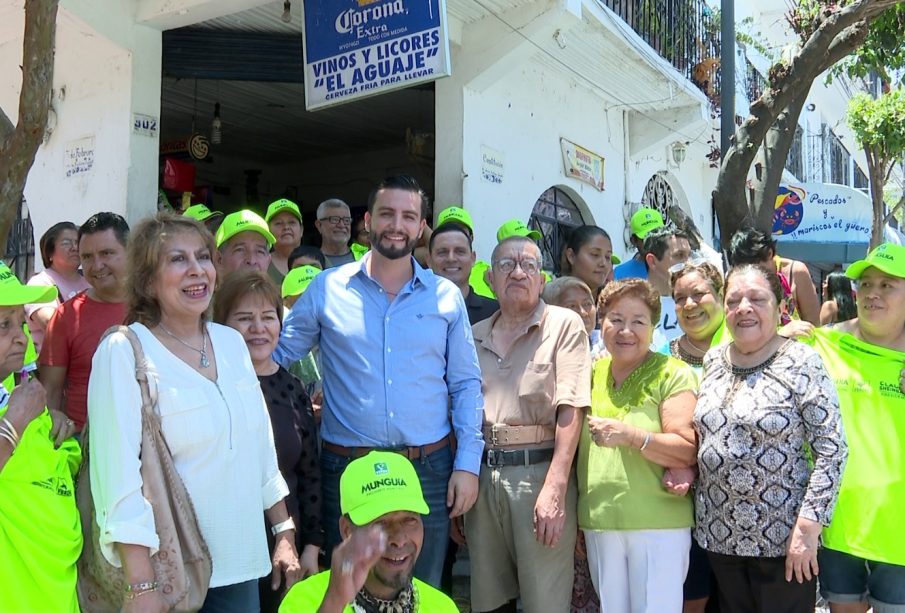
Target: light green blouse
(617,488)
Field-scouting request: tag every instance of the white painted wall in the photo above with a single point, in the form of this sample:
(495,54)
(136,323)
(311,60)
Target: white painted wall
(103,73)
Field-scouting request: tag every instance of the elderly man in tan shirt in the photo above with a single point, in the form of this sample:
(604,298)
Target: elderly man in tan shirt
(536,382)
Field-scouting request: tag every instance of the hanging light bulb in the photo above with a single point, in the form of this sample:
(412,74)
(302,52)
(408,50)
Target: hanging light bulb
(287,12)
(216,125)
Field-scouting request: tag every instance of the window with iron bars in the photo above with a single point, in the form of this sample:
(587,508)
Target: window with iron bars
(861,181)
(554,216)
(795,160)
(839,160)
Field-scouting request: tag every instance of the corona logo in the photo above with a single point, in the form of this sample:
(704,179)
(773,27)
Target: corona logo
(788,210)
(352,18)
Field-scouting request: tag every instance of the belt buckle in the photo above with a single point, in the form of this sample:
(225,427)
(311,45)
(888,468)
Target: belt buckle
(493,435)
(494,458)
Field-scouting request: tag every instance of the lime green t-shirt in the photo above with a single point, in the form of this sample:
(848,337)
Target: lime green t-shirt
(306,597)
(618,488)
(867,520)
(477,282)
(40,534)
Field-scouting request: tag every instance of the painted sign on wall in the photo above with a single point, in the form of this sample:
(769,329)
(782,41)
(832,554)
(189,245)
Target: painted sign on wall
(492,165)
(582,164)
(821,212)
(358,48)
(78,156)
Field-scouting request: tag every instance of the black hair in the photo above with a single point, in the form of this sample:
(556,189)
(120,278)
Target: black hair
(99,222)
(450,226)
(307,251)
(839,290)
(405,183)
(768,273)
(750,246)
(657,241)
(48,242)
(578,238)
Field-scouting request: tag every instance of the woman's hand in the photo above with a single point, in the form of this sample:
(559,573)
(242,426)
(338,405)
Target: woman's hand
(285,562)
(62,428)
(678,481)
(796,329)
(801,550)
(151,602)
(308,560)
(606,432)
(25,403)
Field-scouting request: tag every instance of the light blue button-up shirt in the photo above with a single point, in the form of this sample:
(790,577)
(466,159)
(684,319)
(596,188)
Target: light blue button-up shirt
(390,368)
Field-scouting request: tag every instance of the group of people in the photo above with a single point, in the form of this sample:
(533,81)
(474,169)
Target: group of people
(638,439)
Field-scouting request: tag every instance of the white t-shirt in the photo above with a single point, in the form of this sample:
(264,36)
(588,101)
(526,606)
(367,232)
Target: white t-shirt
(668,325)
(220,437)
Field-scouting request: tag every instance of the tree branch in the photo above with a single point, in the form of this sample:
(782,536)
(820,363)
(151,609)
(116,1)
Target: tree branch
(6,127)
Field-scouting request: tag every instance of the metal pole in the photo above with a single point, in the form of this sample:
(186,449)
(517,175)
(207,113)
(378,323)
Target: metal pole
(727,73)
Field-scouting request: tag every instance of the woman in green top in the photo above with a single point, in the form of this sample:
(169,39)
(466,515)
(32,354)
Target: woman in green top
(638,534)
(862,561)
(40,538)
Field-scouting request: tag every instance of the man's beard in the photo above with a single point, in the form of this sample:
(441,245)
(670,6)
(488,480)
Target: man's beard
(392,253)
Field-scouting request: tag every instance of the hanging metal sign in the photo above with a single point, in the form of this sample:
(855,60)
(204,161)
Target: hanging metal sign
(359,48)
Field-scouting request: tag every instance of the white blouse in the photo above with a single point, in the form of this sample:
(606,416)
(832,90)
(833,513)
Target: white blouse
(220,437)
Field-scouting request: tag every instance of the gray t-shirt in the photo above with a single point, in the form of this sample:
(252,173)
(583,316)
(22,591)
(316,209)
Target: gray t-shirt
(338,260)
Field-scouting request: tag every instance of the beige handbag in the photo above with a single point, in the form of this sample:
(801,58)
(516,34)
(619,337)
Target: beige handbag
(183,563)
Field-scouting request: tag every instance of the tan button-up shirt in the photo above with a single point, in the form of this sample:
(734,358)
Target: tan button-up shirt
(547,366)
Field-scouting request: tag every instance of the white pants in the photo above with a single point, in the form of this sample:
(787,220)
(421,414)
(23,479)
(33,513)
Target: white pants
(639,571)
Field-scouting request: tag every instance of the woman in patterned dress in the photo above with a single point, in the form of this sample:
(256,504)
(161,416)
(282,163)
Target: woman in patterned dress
(770,454)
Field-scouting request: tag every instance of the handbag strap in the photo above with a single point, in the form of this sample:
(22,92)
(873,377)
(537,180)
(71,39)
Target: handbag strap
(142,367)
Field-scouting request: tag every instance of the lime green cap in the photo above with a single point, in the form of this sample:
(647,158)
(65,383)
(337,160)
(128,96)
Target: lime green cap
(456,214)
(644,220)
(201,212)
(282,206)
(14,293)
(888,257)
(298,279)
(379,483)
(615,259)
(242,221)
(516,227)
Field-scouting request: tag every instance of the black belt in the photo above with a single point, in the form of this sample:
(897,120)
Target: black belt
(494,458)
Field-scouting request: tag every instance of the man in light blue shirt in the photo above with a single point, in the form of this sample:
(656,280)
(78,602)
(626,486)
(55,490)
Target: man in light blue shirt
(400,369)
(643,221)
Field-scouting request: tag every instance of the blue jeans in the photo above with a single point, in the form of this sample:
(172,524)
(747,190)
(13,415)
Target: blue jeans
(236,598)
(434,471)
(847,578)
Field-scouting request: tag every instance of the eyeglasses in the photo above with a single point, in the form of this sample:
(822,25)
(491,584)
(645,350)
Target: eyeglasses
(507,266)
(337,220)
(67,243)
(694,261)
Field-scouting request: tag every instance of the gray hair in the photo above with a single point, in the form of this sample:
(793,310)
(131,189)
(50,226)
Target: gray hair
(332,203)
(554,290)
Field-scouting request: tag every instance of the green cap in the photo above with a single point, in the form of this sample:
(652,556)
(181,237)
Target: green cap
(201,212)
(379,483)
(516,227)
(242,221)
(615,260)
(282,206)
(13,293)
(456,214)
(644,220)
(298,279)
(888,257)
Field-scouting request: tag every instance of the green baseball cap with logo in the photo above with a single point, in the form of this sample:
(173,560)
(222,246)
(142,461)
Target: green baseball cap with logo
(201,212)
(516,227)
(456,214)
(282,206)
(298,279)
(888,257)
(379,483)
(14,293)
(243,221)
(644,220)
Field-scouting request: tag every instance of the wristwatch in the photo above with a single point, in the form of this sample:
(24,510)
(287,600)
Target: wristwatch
(283,526)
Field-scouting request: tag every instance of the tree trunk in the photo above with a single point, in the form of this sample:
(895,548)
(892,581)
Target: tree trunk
(19,145)
(876,170)
(777,144)
(837,36)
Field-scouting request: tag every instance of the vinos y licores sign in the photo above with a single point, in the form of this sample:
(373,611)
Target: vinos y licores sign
(359,48)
